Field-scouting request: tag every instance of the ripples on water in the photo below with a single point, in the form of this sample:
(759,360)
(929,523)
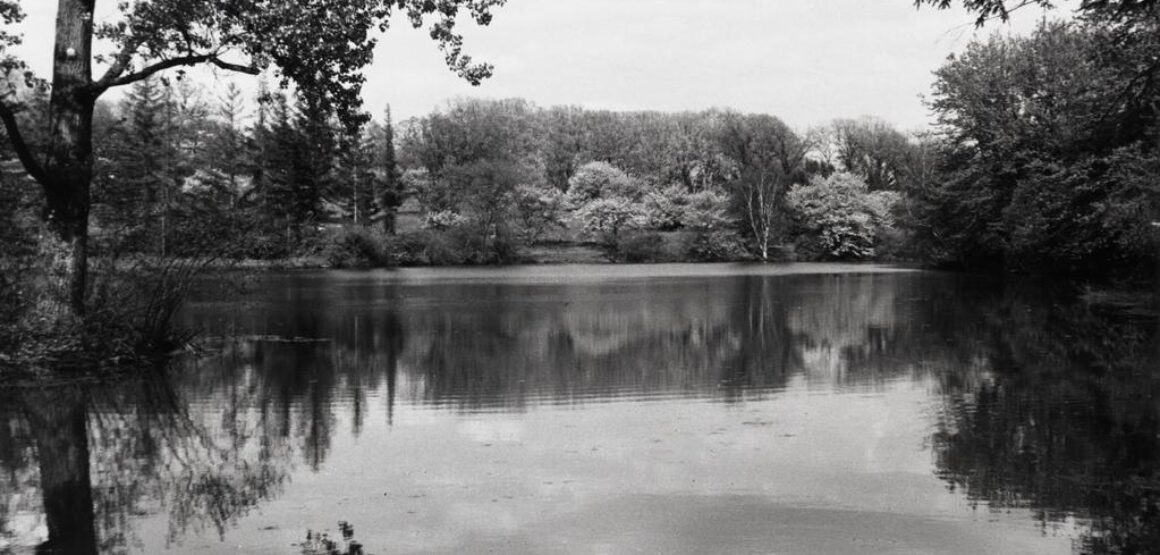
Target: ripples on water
(678,408)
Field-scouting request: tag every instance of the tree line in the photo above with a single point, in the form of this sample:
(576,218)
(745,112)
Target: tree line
(182,172)
(512,171)
(1044,158)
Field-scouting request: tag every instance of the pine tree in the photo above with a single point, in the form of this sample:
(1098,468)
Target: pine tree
(229,155)
(297,165)
(185,126)
(314,177)
(280,149)
(132,189)
(390,186)
(356,180)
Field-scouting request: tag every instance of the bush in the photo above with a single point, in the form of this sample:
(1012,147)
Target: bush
(355,247)
(605,219)
(537,210)
(449,247)
(444,219)
(647,246)
(716,246)
(129,318)
(839,217)
(664,209)
(599,180)
(706,211)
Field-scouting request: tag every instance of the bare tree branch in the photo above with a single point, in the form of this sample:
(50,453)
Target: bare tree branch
(29,162)
(116,80)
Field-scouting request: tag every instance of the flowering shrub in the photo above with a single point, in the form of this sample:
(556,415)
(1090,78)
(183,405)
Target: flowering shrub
(839,217)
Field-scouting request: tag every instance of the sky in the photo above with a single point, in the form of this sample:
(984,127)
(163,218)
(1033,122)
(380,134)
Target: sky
(807,62)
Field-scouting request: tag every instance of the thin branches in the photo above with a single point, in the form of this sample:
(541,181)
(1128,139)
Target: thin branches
(23,152)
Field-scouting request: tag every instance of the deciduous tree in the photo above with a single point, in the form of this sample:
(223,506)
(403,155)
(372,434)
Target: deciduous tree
(321,46)
(769,158)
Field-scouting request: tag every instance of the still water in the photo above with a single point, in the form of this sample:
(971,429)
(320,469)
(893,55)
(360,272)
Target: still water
(608,409)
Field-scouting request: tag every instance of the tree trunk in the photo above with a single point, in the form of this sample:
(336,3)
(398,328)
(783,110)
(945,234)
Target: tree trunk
(389,219)
(64,245)
(69,167)
(58,418)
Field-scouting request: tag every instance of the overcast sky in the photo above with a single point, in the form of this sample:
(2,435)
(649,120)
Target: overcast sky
(804,61)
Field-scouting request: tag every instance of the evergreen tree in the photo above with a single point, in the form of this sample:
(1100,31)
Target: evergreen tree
(355,178)
(391,190)
(185,126)
(229,154)
(279,168)
(298,154)
(131,189)
(314,178)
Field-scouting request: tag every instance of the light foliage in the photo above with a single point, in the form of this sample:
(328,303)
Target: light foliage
(841,214)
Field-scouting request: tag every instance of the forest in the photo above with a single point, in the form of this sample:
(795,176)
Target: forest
(1043,159)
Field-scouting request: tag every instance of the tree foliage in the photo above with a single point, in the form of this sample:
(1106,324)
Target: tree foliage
(1110,10)
(601,180)
(319,46)
(870,148)
(769,158)
(1044,155)
(841,217)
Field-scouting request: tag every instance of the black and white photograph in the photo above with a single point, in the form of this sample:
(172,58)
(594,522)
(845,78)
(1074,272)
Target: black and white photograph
(376,277)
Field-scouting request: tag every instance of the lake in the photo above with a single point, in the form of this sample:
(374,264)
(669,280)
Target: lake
(802,408)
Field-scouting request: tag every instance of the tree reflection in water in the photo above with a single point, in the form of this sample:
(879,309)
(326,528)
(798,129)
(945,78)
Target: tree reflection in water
(1066,422)
(1042,404)
(95,457)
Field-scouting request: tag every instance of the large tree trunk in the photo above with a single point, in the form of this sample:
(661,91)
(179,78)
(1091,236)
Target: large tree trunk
(69,167)
(58,419)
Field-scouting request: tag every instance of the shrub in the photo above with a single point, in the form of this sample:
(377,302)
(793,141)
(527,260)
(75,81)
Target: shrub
(839,217)
(443,248)
(664,209)
(647,246)
(129,318)
(706,211)
(447,247)
(536,210)
(444,219)
(605,219)
(134,300)
(408,249)
(355,247)
(716,246)
(599,180)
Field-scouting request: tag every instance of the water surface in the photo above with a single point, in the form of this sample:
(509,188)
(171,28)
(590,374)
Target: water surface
(613,409)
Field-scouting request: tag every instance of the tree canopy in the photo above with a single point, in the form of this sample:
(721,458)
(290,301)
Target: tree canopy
(987,10)
(321,46)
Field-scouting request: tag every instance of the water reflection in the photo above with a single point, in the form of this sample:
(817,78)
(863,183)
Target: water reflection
(477,345)
(83,461)
(1067,424)
(1026,402)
